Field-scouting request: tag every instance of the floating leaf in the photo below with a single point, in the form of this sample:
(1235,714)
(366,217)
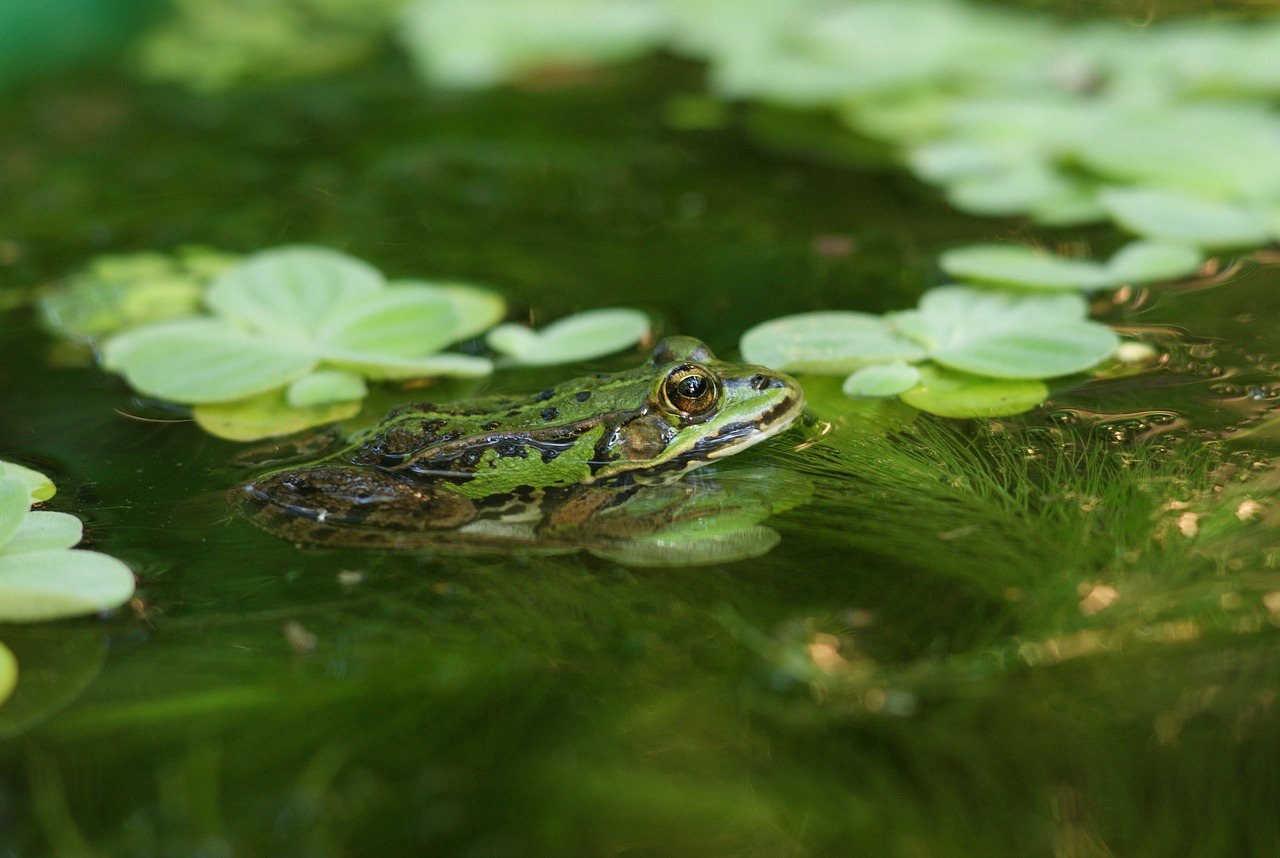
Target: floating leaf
(1209,149)
(325,386)
(399,322)
(53,584)
(956,394)
(1021,266)
(266,415)
(432,366)
(477,310)
(39,486)
(288,291)
(887,379)
(8,672)
(15,500)
(1150,261)
(205,360)
(574,338)
(41,531)
(1007,334)
(1180,218)
(833,342)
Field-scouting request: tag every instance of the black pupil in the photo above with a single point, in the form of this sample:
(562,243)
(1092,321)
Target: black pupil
(692,386)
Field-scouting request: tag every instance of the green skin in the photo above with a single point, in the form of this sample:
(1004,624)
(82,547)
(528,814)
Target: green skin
(547,471)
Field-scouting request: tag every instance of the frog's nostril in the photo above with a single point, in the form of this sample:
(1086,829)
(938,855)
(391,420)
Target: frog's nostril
(759,382)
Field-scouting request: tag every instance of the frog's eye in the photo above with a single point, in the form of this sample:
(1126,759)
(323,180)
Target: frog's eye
(691,390)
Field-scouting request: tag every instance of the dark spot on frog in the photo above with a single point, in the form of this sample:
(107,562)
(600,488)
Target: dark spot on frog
(550,413)
(582,395)
(545,395)
(469,459)
(603,376)
(506,449)
(549,453)
(491,425)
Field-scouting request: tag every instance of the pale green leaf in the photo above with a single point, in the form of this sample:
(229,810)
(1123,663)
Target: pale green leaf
(1179,218)
(266,415)
(1018,189)
(41,531)
(15,500)
(582,336)
(8,673)
(1061,350)
(957,394)
(288,291)
(398,322)
(833,342)
(325,386)
(1007,334)
(52,584)
(1207,149)
(204,360)
(1150,261)
(40,486)
(886,379)
(1023,267)
(476,309)
(384,368)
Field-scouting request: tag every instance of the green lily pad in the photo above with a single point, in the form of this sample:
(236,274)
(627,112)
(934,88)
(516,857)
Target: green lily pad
(1017,189)
(475,309)
(1180,218)
(325,386)
(308,319)
(1023,267)
(886,379)
(399,322)
(957,394)
(266,415)
(41,530)
(1018,266)
(445,364)
(1151,261)
(122,291)
(8,673)
(574,338)
(15,500)
(289,291)
(1007,335)
(830,342)
(40,487)
(205,360)
(50,584)
(1211,150)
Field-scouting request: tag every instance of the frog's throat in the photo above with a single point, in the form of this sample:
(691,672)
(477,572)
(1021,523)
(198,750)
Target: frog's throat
(736,437)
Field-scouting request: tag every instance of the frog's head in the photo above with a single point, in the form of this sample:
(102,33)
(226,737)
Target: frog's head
(699,409)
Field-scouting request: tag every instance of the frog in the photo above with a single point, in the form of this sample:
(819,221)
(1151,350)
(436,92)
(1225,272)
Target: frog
(554,470)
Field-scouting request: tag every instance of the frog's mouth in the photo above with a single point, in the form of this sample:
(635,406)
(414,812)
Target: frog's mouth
(741,434)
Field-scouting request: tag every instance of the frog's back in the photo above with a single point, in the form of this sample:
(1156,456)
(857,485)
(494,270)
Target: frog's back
(436,439)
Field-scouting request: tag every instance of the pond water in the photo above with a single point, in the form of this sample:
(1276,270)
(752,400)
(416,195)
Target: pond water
(978,638)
